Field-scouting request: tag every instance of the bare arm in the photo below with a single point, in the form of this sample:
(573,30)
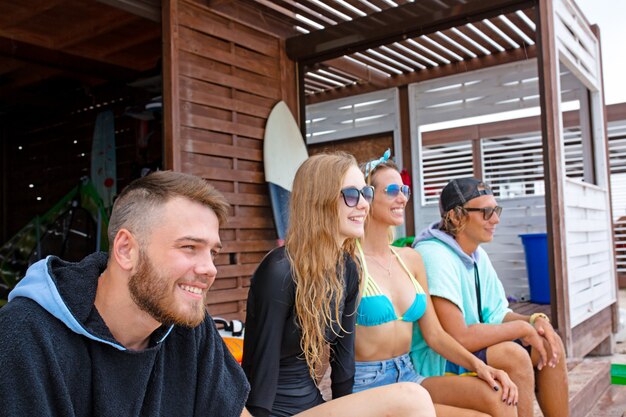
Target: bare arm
(444,344)
(245,413)
(545,330)
(479,336)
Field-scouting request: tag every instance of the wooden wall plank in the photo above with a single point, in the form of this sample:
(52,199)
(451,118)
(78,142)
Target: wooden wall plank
(208,46)
(228,75)
(194,16)
(197,91)
(206,69)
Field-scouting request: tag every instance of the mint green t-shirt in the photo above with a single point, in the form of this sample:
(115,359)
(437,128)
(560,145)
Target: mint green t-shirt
(450,274)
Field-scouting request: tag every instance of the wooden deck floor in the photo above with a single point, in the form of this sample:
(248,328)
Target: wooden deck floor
(528,308)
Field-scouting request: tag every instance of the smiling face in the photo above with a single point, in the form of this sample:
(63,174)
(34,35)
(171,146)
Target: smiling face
(477,230)
(176,266)
(386,209)
(352,219)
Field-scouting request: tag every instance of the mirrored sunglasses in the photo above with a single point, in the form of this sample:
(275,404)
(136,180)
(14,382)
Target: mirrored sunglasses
(392,190)
(487,211)
(351,195)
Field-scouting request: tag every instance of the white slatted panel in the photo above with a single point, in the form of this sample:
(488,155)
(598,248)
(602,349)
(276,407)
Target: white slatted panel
(617,154)
(351,117)
(519,215)
(476,93)
(442,163)
(513,165)
(588,248)
(578,47)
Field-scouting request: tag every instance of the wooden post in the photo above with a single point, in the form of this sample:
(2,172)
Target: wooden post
(171,103)
(551,132)
(405,139)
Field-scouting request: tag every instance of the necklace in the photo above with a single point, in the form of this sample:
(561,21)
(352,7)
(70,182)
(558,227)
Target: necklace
(388,268)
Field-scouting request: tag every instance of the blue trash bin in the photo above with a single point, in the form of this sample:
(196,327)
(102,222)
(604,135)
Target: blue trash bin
(536,250)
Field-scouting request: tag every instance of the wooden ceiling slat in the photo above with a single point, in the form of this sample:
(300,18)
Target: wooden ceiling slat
(142,57)
(358,4)
(495,36)
(341,9)
(82,31)
(131,42)
(64,61)
(358,71)
(508,31)
(15,13)
(311,11)
(389,26)
(521,25)
(431,48)
(473,36)
(402,55)
(318,83)
(374,62)
(441,71)
(424,61)
(451,46)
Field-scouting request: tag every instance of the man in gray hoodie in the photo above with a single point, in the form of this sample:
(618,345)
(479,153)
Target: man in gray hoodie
(126,334)
(472,306)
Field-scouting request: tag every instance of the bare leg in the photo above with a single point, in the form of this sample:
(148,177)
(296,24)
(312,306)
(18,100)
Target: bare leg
(552,386)
(404,399)
(448,411)
(467,392)
(514,360)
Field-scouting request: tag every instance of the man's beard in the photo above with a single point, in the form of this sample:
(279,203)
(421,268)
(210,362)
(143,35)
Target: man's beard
(154,294)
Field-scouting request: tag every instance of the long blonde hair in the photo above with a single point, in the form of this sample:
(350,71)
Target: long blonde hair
(317,262)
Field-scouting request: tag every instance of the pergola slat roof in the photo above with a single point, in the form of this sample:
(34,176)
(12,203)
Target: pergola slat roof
(345,43)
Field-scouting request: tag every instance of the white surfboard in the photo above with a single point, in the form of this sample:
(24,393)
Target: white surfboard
(284,151)
(103,161)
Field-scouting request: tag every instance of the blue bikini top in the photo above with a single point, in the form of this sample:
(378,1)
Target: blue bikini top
(376,308)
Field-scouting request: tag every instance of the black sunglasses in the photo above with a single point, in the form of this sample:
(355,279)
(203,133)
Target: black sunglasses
(351,195)
(392,190)
(487,211)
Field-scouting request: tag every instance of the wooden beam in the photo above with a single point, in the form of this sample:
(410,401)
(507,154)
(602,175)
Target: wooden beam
(64,61)
(407,21)
(616,112)
(553,155)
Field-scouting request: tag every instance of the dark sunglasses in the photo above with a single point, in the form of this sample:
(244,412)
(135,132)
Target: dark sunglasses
(351,195)
(487,211)
(392,190)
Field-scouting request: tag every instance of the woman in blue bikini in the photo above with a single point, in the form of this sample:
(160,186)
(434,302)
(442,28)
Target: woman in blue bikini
(394,296)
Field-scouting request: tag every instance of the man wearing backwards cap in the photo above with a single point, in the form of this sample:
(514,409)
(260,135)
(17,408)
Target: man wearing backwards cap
(472,306)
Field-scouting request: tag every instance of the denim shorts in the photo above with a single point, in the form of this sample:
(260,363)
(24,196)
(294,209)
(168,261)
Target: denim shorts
(378,373)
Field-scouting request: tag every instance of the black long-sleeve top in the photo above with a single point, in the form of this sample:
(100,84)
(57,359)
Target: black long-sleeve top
(273,360)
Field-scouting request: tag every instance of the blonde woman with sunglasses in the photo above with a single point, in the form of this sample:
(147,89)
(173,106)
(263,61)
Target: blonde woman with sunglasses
(394,298)
(303,299)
